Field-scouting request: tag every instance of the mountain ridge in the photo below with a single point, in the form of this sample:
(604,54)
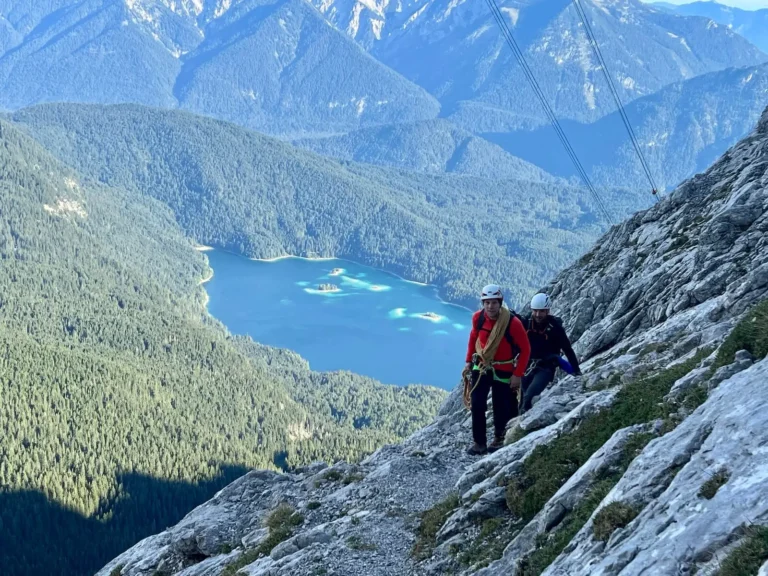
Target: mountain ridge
(281,60)
(484,73)
(432,146)
(752,24)
(681,129)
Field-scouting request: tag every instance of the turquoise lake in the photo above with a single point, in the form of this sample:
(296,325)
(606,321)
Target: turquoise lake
(375,323)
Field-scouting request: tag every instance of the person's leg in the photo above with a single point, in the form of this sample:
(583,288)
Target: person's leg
(479,407)
(517,400)
(503,398)
(538,382)
(525,385)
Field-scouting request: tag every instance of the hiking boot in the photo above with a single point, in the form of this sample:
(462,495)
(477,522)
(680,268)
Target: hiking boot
(476,449)
(496,444)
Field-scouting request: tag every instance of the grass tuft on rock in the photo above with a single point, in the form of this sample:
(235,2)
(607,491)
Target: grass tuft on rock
(746,559)
(431,522)
(495,534)
(550,546)
(351,478)
(750,334)
(514,435)
(711,486)
(357,543)
(281,522)
(612,517)
(331,475)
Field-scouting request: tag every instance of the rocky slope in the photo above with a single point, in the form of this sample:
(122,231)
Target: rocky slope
(654,464)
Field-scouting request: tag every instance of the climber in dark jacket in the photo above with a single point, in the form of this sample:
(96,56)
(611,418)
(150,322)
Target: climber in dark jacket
(548,339)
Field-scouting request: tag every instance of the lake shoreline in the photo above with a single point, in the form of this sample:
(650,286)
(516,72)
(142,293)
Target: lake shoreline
(288,256)
(340,259)
(202,282)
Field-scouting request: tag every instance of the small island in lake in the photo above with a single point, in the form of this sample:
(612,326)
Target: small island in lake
(337,272)
(328,288)
(431,316)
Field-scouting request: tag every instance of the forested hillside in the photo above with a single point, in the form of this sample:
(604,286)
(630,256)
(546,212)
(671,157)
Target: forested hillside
(123,406)
(432,146)
(257,196)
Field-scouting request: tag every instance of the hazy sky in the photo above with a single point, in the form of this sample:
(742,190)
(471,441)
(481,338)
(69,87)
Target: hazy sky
(745,4)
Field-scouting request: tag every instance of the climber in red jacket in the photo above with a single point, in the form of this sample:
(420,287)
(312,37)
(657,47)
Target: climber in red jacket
(497,357)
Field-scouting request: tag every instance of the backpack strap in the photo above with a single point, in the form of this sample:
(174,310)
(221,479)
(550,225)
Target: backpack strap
(480,321)
(515,348)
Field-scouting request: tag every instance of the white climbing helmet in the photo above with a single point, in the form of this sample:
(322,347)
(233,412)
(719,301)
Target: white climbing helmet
(491,292)
(540,302)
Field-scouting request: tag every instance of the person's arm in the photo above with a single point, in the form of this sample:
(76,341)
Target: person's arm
(565,346)
(472,337)
(520,338)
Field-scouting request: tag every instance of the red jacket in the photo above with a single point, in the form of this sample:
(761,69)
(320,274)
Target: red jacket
(504,352)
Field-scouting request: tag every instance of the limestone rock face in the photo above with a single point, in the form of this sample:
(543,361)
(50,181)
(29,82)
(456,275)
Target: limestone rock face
(677,527)
(668,284)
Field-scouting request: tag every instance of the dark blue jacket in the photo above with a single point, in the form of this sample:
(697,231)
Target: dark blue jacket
(548,341)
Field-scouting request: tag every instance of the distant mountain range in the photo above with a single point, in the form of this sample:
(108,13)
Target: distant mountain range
(752,24)
(463,61)
(274,65)
(421,86)
(682,129)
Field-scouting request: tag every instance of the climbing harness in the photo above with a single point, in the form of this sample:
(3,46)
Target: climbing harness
(507,365)
(562,363)
(482,369)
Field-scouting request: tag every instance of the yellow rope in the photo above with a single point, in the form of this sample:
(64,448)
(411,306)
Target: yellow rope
(486,354)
